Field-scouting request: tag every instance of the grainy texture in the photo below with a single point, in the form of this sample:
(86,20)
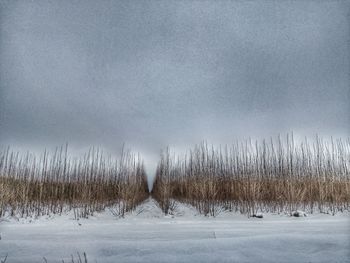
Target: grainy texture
(147,235)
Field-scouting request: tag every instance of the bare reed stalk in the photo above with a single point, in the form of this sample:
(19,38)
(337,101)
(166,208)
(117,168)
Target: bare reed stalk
(56,182)
(275,175)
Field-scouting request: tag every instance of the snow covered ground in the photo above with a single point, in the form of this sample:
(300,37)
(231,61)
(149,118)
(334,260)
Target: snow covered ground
(146,235)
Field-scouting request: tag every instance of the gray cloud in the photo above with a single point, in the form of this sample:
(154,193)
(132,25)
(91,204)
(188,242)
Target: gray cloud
(153,73)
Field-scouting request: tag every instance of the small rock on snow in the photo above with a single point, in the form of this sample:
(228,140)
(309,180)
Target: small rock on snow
(298,214)
(258,215)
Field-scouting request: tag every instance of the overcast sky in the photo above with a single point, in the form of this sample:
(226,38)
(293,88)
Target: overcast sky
(158,73)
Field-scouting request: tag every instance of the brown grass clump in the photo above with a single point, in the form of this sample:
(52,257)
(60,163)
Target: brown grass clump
(52,183)
(249,177)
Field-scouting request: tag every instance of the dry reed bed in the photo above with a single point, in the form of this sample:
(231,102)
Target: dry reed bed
(275,175)
(55,182)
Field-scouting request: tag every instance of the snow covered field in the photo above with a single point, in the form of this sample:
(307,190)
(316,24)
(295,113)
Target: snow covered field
(146,235)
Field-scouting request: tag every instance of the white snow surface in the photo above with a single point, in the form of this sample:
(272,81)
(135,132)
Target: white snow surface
(146,235)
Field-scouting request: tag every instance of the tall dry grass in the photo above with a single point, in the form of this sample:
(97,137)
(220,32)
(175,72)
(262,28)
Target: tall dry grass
(275,175)
(54,182)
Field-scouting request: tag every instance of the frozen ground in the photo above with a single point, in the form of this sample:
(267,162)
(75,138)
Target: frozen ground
(148,236)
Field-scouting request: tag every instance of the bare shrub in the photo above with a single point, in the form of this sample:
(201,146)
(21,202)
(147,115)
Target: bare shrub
(277,175)
(52,183)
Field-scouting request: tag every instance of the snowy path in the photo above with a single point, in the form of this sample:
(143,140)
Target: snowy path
(148,236)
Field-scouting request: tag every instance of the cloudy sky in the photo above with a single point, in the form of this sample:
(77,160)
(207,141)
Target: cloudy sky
(158,73)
